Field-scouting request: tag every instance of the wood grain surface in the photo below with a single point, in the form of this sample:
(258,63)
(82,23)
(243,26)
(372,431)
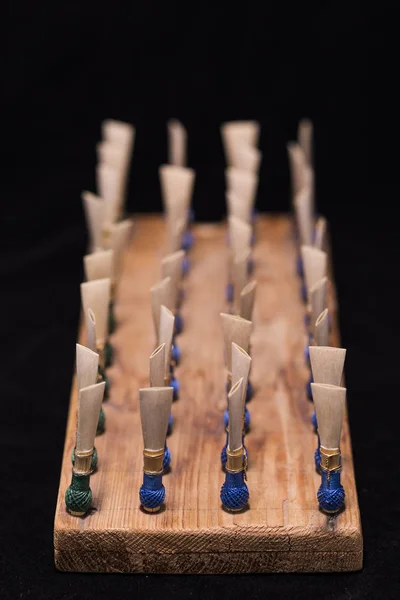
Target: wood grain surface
(283,530)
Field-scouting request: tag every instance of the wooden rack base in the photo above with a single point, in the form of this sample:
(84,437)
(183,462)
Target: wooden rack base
(283,531)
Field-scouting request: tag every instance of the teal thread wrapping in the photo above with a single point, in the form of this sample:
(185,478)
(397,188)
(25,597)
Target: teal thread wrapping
(78,497)
(108,354)
(112,323)
(101,424)
(103,377)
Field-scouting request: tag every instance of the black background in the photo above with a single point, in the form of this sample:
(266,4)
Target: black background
(67,66)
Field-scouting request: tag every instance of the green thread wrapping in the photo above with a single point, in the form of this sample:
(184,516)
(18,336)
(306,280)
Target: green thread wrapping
(108,354)
(112,324)
(93,464)
(101,423)
(103,377)
(78,497)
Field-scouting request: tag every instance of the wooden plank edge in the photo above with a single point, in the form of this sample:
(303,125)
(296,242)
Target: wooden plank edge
(123,551)
(288,561)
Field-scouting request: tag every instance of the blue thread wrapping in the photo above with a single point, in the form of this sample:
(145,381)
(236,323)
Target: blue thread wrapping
(223,455)
(309,389)
(299,266)
(314,421)
(167,458)
(307,355)
(308,363)
(249,391)
(250,266)
(152,492)
(303,292)
(178,324)
(229,293)
(170,423)
(234,491)
(331,493)
(246,420)
(317,457)
(187,240)
(185,265)
(307,320)
(176,352)
(176,387)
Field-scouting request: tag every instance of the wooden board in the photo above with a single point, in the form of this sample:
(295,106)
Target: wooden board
(283,530)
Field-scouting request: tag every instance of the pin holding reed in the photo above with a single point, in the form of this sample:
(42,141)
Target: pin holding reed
(327,364)
(171,266)
(162,294)
(115,151)
(87,363)
(167,320)
(177,143)
(78,496)
(155,408)
(318,303)
(94,215)
(236,135)
(157,379)
(118,239)
(96,297)
(234,492)
(238,330)
(100,374)
(100,265)
(177,183)
(315,264)
(92,344)
(329,403)
(241,362)
(305,135)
